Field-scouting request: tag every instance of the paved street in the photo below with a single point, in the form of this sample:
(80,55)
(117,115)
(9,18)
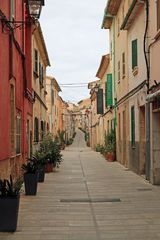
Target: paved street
(89,199)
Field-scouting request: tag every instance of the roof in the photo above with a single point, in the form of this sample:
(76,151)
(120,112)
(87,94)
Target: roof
(103,66)
(93,84)
(113,6)
(55,83)
(110,11)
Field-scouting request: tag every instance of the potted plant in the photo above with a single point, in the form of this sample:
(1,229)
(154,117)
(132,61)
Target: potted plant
(61,139)
(45,150)
(30,176)
(110,146)
(9,204)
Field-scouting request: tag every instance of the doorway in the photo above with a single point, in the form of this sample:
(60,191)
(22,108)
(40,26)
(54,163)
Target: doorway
(142,142)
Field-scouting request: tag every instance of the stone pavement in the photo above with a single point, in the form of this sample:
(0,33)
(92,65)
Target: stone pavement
(89,199)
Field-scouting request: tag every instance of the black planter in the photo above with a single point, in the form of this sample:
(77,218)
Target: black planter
(31,182)
(41,174)
(9,213)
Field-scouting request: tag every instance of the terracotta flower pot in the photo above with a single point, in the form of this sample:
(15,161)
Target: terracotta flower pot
(110,156)
(48,168)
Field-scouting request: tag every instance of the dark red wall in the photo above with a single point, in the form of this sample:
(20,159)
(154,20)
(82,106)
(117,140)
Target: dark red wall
(22,104)
(4,88)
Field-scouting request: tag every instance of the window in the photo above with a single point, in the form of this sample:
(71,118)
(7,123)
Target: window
(158,14)
(133,126)
(12,118)
(36,130)
(123,65)
(18,135)
(119,71)
(12,10)
(42,130)
(119,127)
(40,75)
(52,96)
(36,61)
(134,54)
(106,93)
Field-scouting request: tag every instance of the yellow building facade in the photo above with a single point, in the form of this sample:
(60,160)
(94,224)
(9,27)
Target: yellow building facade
(40,61)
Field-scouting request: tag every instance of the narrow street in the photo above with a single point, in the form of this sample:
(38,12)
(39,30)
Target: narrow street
(89,198)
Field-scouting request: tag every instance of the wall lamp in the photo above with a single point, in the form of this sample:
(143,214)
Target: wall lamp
(34,8)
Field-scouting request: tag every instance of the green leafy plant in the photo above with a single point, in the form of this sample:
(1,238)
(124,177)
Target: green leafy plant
(69,141)
(61,135)
(41,158)
(100,148)
(10,188)
(31,166)
(110,141)
(49,151)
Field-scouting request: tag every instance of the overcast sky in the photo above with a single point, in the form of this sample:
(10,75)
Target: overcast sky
(75,42)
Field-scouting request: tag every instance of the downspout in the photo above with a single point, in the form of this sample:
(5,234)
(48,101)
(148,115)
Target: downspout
(114,75)
(23,118)
(148,124)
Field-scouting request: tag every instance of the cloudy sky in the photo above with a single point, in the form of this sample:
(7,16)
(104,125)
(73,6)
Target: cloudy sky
(75,43)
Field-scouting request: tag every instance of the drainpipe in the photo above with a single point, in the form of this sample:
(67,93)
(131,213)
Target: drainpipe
(114,75)
(148,124)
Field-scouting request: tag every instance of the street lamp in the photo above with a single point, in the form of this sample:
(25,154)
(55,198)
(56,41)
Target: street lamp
(35,7)
(96,88)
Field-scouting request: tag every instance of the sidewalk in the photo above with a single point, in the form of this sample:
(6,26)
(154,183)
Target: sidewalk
(89,199)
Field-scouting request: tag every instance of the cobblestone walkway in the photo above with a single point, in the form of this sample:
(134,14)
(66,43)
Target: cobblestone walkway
(89,199)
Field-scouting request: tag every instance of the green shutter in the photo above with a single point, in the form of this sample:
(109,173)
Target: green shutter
(109,90)
(106,93)
(133,126)
(134,54)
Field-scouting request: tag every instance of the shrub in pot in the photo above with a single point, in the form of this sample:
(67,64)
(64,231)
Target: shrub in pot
(9,204)
(110,146)
(30,176)
(51,151)
(45,150)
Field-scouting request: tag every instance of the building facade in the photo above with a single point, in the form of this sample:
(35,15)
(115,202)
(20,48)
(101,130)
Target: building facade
(53,101)
(40,61)
(16,101)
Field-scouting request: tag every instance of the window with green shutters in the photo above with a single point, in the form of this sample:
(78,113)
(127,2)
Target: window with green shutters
(134,54)
(109,101)
(133,126)
(106,93)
